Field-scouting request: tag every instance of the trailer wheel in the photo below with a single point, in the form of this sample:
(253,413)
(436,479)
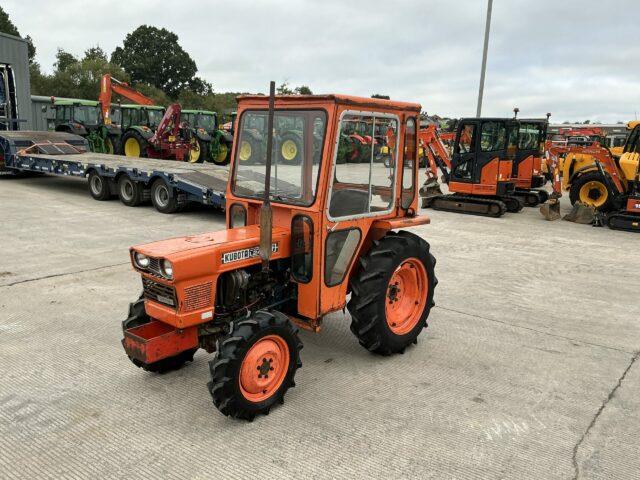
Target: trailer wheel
(163,198)
(129,192)
(99,187)
(401,266)
(138,316)
(255,365)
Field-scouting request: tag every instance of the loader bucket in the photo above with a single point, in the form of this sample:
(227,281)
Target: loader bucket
(551,210)
(581,213)
(430,190)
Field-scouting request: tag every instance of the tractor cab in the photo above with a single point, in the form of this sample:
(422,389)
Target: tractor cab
(84,118)
(214,143)
(301,236)
(77,116)
(146,116)
(483,156)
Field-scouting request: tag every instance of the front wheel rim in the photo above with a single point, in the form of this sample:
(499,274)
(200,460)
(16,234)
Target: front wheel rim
(264,368)
(223,150)
(194,153)
(594,193)
(406,296)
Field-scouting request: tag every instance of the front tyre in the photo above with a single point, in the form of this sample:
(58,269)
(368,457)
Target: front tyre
(255,365)
(401,266)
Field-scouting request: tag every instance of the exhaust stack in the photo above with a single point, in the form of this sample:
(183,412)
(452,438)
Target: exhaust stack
(266,214)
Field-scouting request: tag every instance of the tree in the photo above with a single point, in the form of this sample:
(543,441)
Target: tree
(64,60)
(7,26)
(154,56)
(303,90)
(383,97)
(284,89)
(95,53)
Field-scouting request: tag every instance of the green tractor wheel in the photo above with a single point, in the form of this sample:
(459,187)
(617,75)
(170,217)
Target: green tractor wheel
(134,144)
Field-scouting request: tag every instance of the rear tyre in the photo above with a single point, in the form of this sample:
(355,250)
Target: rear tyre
(112,145)
(400,266)
(99,187)
(134,144)
(138,316)
(591,189)
(129,192)
(163,198)
(249,151)
(255,365)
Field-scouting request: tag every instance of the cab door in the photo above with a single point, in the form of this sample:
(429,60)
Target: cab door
(463,160)
(490,152)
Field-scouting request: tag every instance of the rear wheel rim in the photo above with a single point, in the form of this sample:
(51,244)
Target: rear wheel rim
(289,150)
(245,151)
(406,296)
(132,147)
(264,368)
(594,193)
(194,153)
(223,150)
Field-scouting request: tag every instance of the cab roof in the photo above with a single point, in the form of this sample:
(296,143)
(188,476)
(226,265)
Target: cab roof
(206,112)
(352,101)
(135,105)
(76,101)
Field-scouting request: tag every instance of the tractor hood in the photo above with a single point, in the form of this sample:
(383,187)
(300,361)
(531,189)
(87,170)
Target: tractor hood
(220,251)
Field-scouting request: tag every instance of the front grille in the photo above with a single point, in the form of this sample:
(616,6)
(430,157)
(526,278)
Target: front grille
(159,292)
(154,266)
(197,296)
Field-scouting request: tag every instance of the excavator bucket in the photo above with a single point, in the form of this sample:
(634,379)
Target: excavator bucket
(551,210)
(581,213)
(429,190)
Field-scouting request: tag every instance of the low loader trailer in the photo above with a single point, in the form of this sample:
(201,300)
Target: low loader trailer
(168,184)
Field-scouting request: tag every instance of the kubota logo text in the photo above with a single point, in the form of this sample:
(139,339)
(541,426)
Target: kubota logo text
(245,254)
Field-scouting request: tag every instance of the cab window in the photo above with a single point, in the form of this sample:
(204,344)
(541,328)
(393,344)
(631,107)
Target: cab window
(493,136)
(409,163)
(364,176)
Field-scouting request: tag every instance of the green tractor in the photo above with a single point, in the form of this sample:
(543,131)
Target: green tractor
(215,143)
(138,123)
(84,118)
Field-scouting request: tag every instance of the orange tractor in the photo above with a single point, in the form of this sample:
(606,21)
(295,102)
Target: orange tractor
(300,238)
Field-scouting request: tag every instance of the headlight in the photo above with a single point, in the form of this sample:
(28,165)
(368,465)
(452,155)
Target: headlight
(141,261)
(237,216)
(166,268)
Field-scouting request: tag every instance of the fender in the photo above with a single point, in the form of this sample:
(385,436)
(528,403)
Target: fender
(585,169)
(146,132)
(226,136)
(113,129)
(201,134)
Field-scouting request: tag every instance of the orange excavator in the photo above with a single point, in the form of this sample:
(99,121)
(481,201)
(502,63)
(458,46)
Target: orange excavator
(171,139)
(478,173)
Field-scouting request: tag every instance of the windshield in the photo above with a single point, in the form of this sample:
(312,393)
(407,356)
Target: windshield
(297,149)
(87,115)
(529,136)
(154,117)
(206,121)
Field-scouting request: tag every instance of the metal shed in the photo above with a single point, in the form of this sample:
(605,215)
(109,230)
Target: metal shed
(15,89)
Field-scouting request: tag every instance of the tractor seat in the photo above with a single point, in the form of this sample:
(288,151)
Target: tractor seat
(348,202)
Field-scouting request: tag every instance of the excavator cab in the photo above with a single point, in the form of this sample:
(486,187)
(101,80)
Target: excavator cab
(480,163)
(302,238)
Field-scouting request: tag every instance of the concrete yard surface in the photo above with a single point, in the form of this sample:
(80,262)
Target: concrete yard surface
(528,369)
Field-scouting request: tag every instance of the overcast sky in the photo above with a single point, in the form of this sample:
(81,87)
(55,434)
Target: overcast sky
(574,58)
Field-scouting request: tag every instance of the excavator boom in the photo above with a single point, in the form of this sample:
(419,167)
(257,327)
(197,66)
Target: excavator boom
(110,85)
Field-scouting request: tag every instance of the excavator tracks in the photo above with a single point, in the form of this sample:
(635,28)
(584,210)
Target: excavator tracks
(623,221)
(488,207)
(532,197)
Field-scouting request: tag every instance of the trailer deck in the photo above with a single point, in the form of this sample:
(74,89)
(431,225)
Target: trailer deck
(58,153)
